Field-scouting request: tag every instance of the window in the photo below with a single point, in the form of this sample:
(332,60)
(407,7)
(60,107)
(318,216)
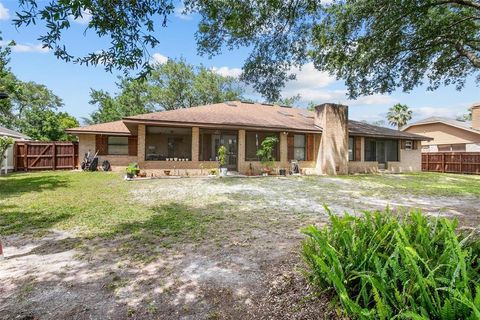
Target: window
(299,147)
(408,144)
(117,145)
(461,147)
(351,148)
(253,141)
(381,150)
(370,150)
(166,143)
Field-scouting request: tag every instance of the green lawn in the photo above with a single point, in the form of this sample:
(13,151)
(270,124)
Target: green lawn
(424,183)
(92,204)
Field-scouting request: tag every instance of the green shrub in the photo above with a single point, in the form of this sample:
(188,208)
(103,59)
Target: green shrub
(383,266)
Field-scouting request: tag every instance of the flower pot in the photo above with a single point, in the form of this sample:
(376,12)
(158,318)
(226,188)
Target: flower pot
(130,175)
(166,172)
(223,172)
(283,172)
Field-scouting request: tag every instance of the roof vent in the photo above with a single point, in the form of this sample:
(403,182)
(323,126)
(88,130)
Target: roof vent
(231,104)
(285,113)
(284,106)
(249,102)
(306,115)
(267,104)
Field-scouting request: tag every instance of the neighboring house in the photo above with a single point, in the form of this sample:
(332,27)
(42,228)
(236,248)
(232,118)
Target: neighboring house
(186,140)
(8,163)
(448,134)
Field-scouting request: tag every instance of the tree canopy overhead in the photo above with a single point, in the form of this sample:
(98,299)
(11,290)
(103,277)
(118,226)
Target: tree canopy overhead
(171,85)
(376,46)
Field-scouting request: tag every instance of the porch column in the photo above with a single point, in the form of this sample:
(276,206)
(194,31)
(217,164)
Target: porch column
(195,143)
(284,148)
(242,166)
(141,143)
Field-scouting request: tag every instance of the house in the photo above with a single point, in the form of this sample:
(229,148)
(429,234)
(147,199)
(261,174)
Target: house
(324,141)
(448,134)
(8,163)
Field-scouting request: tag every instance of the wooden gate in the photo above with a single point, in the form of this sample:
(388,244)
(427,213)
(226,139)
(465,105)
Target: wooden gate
(452,162)
(45,155)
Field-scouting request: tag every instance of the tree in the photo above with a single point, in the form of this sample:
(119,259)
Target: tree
(466,116)
(289,101)
(376,46)
(31,107)
(172,85)
(399,115)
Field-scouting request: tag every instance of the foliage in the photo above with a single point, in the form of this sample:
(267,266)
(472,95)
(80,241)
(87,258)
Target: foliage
(376,46)
(171,85)
(265,152)
(288,102)
(399,115)
(31,107)
(466,116)
(383,266)
(47,125)
(132,168)
(5,143)
(222,156)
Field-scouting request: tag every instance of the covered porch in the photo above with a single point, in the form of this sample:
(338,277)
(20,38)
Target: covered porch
(193,150)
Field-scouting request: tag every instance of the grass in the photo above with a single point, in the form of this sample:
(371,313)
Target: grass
(424,183)
(93,204)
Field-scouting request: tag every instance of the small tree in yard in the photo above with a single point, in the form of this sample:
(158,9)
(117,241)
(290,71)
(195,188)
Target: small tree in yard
(5,142)
(399,115)
(265,153)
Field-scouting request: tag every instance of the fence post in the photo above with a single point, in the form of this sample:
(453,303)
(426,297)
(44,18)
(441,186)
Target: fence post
(25,157)
(443,162)
(461,163)
(427,155)
(54,156)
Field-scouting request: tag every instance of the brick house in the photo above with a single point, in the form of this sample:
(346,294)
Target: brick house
(324,141)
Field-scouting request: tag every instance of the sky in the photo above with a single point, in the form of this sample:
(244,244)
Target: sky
(72,83)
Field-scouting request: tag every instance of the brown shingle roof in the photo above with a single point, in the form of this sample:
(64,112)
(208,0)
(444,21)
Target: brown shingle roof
(242,114)
(115,127)
(236,113)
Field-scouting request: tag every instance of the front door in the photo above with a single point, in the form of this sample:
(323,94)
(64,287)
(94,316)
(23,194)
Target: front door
(381,156)
(228,140)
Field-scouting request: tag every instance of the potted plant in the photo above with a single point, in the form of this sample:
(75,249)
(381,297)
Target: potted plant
(132,170)
(265,153)
(222,158)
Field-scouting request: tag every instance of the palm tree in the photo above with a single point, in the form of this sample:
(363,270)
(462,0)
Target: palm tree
(399,115)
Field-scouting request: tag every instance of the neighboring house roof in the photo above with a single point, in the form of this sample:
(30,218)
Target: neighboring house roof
(115,128)
(465,125)
(241,114)
(12,133)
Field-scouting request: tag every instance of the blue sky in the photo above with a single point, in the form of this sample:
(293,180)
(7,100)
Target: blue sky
(73,82)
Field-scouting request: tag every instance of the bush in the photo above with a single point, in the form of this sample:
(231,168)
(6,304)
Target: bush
(383,266)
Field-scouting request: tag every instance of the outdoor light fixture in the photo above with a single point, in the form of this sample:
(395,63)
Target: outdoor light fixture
(3,95)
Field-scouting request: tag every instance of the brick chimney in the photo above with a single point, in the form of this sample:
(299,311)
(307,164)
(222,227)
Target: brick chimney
(476,116)
(333,151)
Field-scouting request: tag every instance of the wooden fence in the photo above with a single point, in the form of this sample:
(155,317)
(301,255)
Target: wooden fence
(452,162)
(45,155)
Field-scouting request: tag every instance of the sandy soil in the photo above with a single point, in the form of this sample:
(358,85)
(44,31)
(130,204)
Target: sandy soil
(245,266)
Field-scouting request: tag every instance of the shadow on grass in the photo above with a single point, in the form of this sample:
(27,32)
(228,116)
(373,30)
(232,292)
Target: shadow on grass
(20,183)
(15,220)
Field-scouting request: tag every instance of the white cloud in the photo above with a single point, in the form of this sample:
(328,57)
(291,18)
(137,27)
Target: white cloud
(26,47)
(84,19)
(182,14)
(376,99)
(447,112)
(159,58)
(228,72)
(4,12)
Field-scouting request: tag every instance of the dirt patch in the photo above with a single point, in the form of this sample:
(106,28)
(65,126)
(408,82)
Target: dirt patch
(244,264)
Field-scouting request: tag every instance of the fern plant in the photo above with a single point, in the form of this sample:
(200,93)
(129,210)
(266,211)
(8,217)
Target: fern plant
(383,266)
